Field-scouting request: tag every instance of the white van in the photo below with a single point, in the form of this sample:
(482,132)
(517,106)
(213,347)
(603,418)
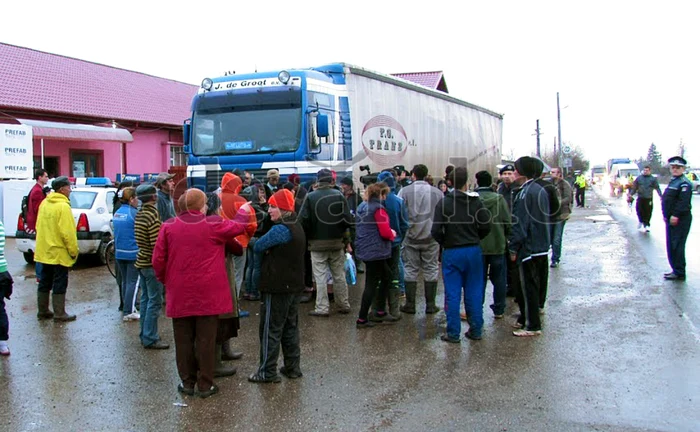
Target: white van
(619,177)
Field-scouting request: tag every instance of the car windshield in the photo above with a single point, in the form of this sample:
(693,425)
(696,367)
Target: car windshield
(246,132)
(82,199)
(626,173)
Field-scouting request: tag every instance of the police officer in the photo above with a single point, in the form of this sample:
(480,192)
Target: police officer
(676,207)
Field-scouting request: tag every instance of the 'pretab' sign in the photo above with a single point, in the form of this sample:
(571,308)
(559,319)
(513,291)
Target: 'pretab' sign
(16,152)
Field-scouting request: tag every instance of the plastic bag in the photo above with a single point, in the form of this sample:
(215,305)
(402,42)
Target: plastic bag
(350,270)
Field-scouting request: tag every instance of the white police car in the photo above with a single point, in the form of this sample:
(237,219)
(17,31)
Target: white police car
(91,205)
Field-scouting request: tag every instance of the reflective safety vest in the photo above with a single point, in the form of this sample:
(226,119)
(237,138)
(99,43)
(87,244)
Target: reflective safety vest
(581,181)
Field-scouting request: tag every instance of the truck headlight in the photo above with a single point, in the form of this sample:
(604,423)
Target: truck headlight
(283,77)
(207,84)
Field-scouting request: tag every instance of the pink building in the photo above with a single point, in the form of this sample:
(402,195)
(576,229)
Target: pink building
(91,120)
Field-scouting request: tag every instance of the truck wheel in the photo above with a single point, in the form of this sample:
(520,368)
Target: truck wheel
(29,257)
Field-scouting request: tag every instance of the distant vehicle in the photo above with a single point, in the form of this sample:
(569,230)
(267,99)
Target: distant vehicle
(694,177)
(92,212)
(597,174)
(619,177)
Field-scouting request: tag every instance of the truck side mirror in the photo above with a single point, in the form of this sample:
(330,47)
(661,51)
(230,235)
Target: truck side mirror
(322,126)
(186,130)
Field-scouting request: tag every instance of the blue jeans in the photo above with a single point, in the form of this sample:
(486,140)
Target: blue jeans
(130,278)
(463,271)
(5,289)
(557,233)
(252,273)
(151,303)
(495,269)
(37,269)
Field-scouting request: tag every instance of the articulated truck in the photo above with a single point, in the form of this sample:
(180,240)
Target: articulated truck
(336,116)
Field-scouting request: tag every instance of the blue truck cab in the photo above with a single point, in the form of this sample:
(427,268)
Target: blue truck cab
(296,121)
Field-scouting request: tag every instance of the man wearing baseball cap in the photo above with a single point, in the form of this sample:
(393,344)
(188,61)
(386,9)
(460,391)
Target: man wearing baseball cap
(676,207)
(56,249)
(166,186)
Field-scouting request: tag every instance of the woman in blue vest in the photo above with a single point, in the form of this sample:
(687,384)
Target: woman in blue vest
(373,241)
(125,251)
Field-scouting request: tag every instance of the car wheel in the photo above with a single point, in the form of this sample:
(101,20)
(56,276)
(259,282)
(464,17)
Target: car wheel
(29,257)
(100,255)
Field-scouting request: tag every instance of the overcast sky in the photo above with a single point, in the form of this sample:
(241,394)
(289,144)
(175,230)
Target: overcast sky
(627,71)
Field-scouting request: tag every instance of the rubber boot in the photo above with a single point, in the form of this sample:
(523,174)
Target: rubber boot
(43,306)
(410,306)
(221,369)
(430,294)
(394,303)
(59,308)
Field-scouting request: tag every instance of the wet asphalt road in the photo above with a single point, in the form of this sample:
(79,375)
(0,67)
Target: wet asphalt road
(620,352)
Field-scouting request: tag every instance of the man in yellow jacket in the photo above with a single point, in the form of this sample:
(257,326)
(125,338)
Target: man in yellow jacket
(56,249)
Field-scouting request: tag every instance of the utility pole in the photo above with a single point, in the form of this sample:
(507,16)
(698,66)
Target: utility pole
(559,129)
(537,132)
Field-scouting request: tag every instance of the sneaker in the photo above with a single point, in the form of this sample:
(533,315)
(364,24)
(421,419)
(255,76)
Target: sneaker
(319,314)
(497,316)
(554,264)
(344,311)
(517,325)
(4,349)
(646,228)
(243,314)
(527,333)
(206,393)
(134,316)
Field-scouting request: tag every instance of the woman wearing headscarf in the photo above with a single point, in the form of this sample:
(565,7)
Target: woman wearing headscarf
(281,282)
(189,260)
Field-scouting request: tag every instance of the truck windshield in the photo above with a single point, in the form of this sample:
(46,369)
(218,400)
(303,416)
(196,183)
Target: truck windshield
(226,132)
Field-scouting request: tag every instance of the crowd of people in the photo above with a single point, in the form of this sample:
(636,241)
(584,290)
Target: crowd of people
(281,244)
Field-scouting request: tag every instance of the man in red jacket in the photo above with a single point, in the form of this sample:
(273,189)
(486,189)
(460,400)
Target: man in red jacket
(36,196)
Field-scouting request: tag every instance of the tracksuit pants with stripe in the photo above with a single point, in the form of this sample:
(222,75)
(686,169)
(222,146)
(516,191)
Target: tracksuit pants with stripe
(533,283)
(279,327)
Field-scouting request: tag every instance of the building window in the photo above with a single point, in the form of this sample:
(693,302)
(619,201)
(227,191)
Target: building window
(177,156)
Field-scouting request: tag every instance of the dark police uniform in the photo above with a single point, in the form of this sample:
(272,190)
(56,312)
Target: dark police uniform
(676,202)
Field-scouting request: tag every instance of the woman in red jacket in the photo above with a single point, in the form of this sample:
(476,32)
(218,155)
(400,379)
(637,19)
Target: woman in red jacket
(189,259)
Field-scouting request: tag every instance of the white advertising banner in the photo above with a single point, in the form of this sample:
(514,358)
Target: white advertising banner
(16,152)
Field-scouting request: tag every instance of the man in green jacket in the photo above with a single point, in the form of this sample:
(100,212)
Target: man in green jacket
(493,245)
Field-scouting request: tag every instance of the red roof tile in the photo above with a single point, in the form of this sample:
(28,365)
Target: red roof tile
(43,82)
(427,79)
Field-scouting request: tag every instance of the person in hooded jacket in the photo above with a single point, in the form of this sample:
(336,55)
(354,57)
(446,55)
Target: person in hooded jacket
(529,244)
(189,259)
(374,247)
(459,224)
(398,221)
(281,282)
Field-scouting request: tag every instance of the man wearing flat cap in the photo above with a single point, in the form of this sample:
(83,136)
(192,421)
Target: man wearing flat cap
(146,228)
(273,181)
(56,249)
(166,186)
(676,207)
